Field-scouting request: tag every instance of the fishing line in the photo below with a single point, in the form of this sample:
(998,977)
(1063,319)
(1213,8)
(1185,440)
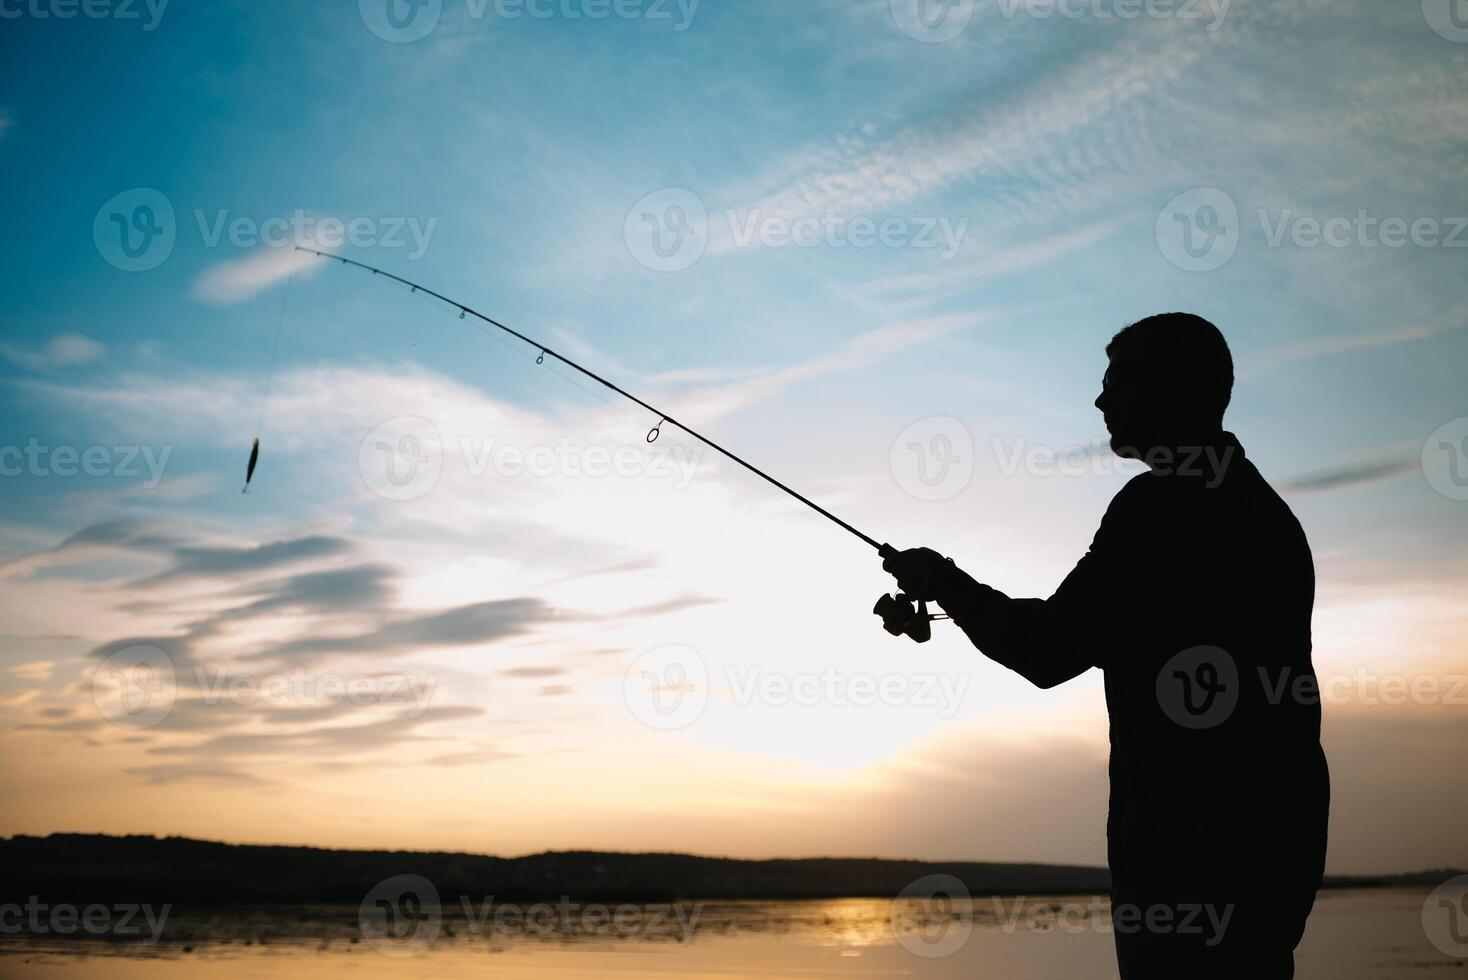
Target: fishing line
(275,351)
(269,381)
(547,352)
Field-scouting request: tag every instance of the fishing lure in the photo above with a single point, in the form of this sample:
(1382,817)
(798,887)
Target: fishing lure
(254,458)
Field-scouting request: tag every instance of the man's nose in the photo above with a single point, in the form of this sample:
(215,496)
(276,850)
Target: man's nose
(1100,402)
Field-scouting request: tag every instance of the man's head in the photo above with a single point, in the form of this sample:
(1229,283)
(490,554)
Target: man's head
(1168,383)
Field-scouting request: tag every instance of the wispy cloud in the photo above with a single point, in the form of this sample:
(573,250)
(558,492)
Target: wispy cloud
(1027,136)
(238,280)
(859,352)
(1258,362)
(64,350)
(1351,474)
(998,258)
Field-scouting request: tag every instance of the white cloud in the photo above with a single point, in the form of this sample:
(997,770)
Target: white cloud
(65,350)
(232,282)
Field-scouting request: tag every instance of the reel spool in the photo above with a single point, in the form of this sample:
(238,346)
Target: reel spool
(901,617)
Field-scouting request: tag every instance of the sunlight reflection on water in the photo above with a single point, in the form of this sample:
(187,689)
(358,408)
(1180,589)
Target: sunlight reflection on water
(1367,934)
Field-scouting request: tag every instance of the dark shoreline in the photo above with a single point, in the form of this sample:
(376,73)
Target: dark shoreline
(88,868)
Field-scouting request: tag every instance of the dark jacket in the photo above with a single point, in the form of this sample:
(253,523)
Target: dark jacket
(1195,599)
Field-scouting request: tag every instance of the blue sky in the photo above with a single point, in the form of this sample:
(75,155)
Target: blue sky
(1034,173)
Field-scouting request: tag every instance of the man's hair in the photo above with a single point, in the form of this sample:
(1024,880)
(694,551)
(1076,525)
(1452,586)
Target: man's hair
(1191,352)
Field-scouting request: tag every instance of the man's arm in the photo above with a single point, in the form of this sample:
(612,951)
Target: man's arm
(1040,639)
(1047,641)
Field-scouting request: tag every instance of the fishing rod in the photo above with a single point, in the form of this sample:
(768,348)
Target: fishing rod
(896,612)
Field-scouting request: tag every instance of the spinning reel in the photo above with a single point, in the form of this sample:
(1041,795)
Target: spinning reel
(900,616)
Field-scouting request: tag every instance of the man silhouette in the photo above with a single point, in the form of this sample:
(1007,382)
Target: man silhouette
(1195,600)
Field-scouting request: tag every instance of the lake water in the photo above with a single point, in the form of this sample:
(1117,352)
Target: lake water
(1368,934)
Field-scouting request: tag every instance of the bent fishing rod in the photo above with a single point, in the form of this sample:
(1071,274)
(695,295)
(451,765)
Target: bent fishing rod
(896,612)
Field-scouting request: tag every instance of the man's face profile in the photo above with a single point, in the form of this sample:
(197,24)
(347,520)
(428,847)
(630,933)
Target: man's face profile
(1125,406)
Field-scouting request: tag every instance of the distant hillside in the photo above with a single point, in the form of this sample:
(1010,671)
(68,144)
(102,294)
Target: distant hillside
(86,868)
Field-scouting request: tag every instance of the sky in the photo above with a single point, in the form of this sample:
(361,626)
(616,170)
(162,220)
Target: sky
(876,247)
